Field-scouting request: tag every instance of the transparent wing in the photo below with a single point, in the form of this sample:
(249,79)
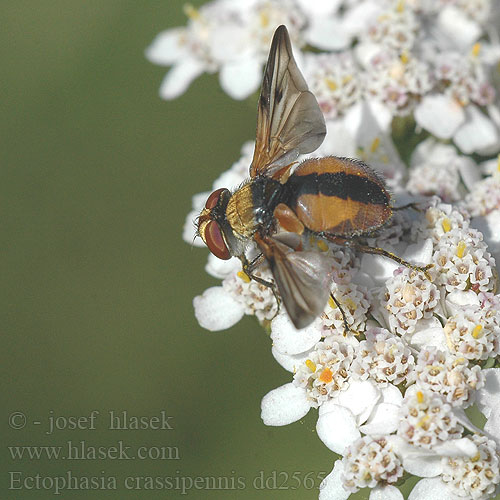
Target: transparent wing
(303,280)
(289,120)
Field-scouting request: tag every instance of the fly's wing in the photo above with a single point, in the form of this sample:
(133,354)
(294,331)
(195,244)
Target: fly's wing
(289,120)
(303,279)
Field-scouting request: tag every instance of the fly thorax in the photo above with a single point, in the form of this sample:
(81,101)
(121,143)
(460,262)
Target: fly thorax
(240,212)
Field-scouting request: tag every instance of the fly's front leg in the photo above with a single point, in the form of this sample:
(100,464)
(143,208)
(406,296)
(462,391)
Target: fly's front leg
(247,275)
(347,328)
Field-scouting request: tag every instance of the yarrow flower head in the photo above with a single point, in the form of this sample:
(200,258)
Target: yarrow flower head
(326,371)
(449,376)
(475,477)
(426,420)
(409,297)
(368,462)
(383,357)
(411,88)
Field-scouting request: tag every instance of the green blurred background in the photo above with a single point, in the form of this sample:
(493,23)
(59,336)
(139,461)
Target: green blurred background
(98,174)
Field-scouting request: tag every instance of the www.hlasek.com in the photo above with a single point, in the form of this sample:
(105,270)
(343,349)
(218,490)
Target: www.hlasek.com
(81,450)
(70,481)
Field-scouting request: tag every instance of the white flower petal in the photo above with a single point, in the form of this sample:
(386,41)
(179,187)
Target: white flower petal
(419,253)
(219,268)
(241,78)
(229,179)
(331,487)
(488,397)
(360,14)
(463,447)
(492,426)
(319,7)
(290,362)
(189,230)
(469,171)
(338,141)
(392,395)
(167,49)
(417,461)
(328,406)
(423,465)
(288,340)
(383,420)
(199,199)
(360,397)
(440,115)
(489,226)
(337,429)
(478,134)
(462,298)
(378,267)
(179,78)
(216,309)
(430,337)
(327,33)
(458,27)
(431,489)
(284,405)
(424,323)
(387,492)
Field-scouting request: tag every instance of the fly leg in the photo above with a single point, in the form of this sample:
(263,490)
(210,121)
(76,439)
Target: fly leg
(394,257)
(347,328)
(377,251)
(247,271)
(412,205)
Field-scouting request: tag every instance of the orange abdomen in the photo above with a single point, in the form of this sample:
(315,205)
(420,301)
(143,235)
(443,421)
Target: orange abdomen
(339,196)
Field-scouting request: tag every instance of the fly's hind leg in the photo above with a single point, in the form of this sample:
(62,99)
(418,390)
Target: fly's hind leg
(378,251)
(247,275)
(394,257)
(412,205)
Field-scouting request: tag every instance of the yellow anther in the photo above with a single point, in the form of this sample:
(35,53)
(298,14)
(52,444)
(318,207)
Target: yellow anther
(322,245)
(331,302)
(446,224)
(404,57)
(476,48)
(244,276)
(311,365)
(346,79)
(350,304)
(476,457)
(326,376)
(476,333)
(400,7)
(423,421)
(375,144)
(498,163)
(458,361)
(420,396)
(264,18)
(461,249)
(332,85)
(191,12)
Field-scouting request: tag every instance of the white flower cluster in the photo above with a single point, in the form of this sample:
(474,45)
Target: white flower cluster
(429,59)
(395,79)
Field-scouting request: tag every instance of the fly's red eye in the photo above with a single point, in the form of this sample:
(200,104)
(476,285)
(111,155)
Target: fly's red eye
(214,198)
(215,241)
